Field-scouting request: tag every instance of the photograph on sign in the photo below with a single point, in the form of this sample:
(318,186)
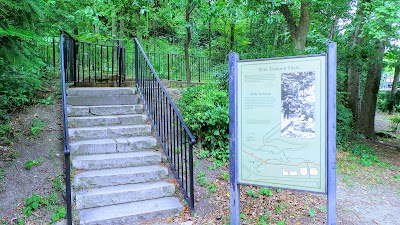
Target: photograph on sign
(298,104)
(281,120)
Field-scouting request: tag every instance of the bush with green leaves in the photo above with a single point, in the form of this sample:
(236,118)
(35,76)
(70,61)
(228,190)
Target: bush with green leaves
(394,123)
(205,109)
(388,101)
(344,120)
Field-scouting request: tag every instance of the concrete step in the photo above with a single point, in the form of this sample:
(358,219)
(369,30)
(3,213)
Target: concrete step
(119,176)
(122,194)
(116,160)
(102,146)
(104,110)
(90,121)
(108,132)
(131,213)
(100,91)
(103,100)
(101,96)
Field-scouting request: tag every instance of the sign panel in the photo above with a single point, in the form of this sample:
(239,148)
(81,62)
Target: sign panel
(281,122)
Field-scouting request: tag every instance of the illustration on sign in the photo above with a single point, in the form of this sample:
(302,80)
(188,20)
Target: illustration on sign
(282,123)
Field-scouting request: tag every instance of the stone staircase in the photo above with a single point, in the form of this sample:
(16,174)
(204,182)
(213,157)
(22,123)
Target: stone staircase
(118,177)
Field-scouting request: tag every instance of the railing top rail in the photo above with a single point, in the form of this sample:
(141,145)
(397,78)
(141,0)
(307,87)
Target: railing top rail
(64,94)
(194,56)
(192,139)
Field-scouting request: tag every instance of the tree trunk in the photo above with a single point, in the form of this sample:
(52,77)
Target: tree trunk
(366,122)
(187,41)
(395,78)
(394,89)
(232,42)
(122,26)
(354,68)
(298,33)
(113,23)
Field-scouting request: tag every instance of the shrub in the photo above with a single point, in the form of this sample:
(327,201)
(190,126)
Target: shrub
(205,109)
(387,101)
(344,122)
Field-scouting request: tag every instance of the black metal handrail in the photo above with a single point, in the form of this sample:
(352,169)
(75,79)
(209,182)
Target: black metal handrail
(65,43)
(175,137)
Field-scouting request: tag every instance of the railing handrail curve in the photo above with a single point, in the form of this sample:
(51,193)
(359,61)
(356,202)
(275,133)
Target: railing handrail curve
(67,151)
(192,139)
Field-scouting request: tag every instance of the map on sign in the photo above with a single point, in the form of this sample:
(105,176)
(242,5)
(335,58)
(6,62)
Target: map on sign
(281,116)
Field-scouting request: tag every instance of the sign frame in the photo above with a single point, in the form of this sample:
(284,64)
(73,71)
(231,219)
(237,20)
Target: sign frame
(330,139)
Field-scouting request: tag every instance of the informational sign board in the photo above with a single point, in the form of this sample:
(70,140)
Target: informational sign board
(281,123)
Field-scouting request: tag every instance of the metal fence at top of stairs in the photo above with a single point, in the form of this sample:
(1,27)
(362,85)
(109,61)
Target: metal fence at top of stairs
(66,43)
(175,137)
(102,63)
(90,64)
(172,67)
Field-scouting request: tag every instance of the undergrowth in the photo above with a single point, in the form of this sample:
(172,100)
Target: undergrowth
(205,109)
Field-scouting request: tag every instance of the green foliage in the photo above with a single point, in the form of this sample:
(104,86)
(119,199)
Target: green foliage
(252,193)
(205,183)
(281,222)
(344,120)
(37,127)
(60,213)
(225,176)
(266,191)
(36,202)
(205,110)
(388,101)
(365,155)
(31,204)
(311,212)
(58,184)
(29,164)
(394,123)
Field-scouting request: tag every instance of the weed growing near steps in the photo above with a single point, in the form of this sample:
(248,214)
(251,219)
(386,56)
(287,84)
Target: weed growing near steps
(1,179)
(37,126)
(204,182)
(33,162)
(49,203)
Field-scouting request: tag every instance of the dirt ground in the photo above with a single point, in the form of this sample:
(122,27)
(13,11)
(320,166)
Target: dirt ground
(365,194)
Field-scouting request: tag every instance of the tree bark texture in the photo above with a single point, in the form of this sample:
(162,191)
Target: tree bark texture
(366,122)
(298,33)
(232,42)
(354,68)
(394,89)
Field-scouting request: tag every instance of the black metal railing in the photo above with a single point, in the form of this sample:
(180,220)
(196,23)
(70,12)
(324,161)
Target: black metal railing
(172,67)
(96,63)
(176,139)
(65,45)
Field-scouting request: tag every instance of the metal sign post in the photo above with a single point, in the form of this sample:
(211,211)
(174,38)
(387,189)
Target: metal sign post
(283,125)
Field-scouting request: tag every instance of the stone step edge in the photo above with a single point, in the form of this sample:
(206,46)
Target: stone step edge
(121,212)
